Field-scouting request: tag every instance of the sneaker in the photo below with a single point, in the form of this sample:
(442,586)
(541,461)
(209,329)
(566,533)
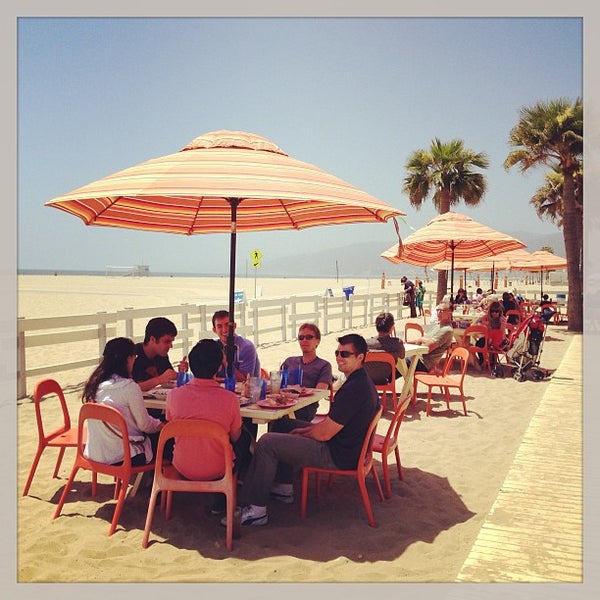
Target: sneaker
(283,492)
(219,506)
(251,515)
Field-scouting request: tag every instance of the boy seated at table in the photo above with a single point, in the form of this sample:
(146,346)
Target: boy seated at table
(204,398)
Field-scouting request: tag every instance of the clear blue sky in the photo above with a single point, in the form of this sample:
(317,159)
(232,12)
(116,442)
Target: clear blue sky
(354,96)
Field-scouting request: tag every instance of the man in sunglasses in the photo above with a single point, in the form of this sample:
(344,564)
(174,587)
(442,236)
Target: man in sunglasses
(316,372)
(334,443)
(438,338)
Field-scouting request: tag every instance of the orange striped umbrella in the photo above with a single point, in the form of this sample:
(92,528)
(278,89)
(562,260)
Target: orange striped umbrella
(451,237)
(541,260)
(223,181)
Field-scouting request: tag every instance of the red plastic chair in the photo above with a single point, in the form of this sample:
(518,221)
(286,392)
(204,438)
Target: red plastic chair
(65,436)
(471,335)
(364,467)
(388,443)
(168,480)
(122,473)
(445,381)
(409,326)
(384,388)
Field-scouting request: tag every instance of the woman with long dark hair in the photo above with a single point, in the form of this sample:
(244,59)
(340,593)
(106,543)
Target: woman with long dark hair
(111,384)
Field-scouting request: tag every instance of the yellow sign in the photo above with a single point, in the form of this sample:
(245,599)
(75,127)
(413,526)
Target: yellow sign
(256,263)
(256,255)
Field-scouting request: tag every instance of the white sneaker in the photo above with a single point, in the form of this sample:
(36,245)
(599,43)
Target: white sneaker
(283,492)
(252,515)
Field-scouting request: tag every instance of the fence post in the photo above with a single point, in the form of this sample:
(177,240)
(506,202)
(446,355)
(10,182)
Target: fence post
(21,364)
(102,334)
(184,326)
(254,311)
(325,312)
(128,325)
(283,322)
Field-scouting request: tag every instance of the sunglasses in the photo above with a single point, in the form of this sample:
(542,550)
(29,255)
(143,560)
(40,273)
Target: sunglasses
(308,336)
(344,353)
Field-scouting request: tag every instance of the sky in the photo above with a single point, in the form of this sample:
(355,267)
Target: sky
(354,96)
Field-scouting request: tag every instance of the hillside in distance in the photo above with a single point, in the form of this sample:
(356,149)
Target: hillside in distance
(362,259)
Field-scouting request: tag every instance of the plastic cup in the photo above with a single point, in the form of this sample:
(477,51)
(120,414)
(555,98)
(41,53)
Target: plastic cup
(285,375)
(256,384)
(296,376)
(181,378)
(275,377)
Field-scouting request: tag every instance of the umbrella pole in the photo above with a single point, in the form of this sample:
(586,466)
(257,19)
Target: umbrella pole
(230,346)
(452,278)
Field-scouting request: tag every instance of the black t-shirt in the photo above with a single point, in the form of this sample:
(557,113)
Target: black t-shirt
(354,407)
(145,368)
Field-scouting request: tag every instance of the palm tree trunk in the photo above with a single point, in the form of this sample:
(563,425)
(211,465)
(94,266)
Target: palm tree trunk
(442,288)
(573,236)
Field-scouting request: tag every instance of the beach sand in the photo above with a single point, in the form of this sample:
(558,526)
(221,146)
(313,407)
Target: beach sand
(454,467)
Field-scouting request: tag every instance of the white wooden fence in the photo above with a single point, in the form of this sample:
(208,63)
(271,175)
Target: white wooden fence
(77,341)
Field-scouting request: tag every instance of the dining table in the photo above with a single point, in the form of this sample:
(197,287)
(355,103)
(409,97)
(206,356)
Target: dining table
(260,413)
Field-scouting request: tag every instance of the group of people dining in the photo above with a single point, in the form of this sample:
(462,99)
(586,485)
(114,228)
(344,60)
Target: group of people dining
(126,370)
(266,464)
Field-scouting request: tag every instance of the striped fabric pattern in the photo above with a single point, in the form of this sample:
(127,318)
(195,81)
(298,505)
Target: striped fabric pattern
(541,260)
(500,262)
(187,192)
(450,234)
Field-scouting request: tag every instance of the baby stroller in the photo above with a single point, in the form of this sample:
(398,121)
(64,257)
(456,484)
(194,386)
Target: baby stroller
(526,348)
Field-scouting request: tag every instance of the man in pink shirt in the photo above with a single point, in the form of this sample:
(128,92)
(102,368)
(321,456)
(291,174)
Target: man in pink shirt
(204,398)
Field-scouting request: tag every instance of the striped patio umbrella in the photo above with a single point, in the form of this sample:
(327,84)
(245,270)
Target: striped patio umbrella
(451,237)
(496,262)
(542,261)
(223,181)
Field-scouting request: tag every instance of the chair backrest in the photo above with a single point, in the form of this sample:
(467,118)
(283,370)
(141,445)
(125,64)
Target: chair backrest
(113,419)
(460,353)
(392,433)
(43,388)
(476,331)
(377,356)
(408,326)
(365,458)
(200,428)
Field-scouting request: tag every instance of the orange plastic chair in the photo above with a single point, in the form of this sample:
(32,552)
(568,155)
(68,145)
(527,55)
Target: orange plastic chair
(65,436)
(445,381)
(364,467)
(122,473)
(408,326)
(388,443)
(168,480)
(471,335)
(515,313)
(264,373)
(384,388)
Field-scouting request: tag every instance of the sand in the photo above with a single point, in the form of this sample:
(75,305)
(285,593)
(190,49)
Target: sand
(454,466)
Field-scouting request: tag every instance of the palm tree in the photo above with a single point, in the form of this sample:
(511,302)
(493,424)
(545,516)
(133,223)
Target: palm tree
(552,134)
(446,171)
(548,202)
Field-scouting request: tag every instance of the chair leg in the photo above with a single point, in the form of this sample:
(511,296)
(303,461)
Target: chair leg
(66,489)
(118,508)
(32,470)
(365,498)
(136,484)
(377,483)
(151,504)
(304,497)
(61,453)
(398,463)
(386,476)
(428,409)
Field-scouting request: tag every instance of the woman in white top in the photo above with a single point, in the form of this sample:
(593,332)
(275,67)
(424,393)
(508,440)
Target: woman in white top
(111,384)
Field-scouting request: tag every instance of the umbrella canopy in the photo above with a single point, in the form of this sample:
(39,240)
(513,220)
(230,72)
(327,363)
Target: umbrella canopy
(541,260)
(451,237)
(223,181)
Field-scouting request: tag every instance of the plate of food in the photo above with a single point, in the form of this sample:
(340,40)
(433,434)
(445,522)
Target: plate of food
(296,391)
(277,401)
(245,401)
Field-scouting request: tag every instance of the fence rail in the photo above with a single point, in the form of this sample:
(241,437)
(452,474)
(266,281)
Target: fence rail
(77,341)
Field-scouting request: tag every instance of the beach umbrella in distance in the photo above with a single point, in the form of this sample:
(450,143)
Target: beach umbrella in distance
(223,181)
(542,261)
(495,262)
(450,237)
